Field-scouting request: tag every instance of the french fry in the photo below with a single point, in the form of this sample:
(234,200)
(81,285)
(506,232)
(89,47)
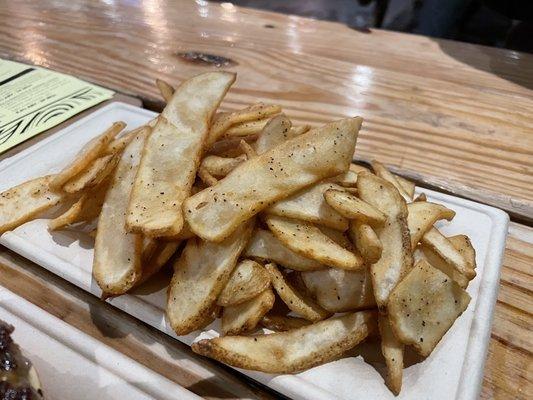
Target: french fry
(309,241)
(366,241)
(247,149)
(95,174)
(276,131)
(424,306)
(297,302)
(265,246)
(392,350)
(396,257)
(117,253)
(446,250)
(245,316)
(225,121)
(349,178)
(299,130)
(310,205)
(87,154)
(26,201)
(171,155)
(200,275)
(382,171)
(229,147)
(292,351)
(159,257)
(338,290)
(282,323)
(165,88)
(408,186)
(257,183)
(247,128)
(219,167)
(247,281)
(422,216)
(352,207)
(206,177)
(119,143)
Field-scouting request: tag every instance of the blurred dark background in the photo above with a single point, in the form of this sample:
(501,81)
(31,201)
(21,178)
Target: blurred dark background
(497,23)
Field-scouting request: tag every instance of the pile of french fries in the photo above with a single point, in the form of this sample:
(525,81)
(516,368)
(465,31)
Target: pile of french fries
(270,227)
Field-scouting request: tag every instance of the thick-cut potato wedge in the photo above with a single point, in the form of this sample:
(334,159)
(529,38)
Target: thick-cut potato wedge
(219,167)
(292,351)
(200,274)
(159,257)
(85,209)
(309,241)
(25,201)
(117,252)
(283,323)
(165,88)
(392,350)
(436,261)
(265,246)
(408,186)
(366,241)
(297,302)
(247,128)
(382,171)
(422,216)
(353,207)
(257,183)
(276,131)
(464,246)
(244,317)
(95,174)
(396,257)
(247,280)
(424,306)
(349,178)
(171,155)
(119,143)
(224,121)
(447,251)
(309,205)
(91,151)
(337,290)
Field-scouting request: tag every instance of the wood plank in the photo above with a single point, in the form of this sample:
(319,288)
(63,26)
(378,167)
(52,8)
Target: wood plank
(146,345)
(453,116)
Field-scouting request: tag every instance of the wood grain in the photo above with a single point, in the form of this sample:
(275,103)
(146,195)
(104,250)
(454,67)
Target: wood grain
(454,116)
(146,345)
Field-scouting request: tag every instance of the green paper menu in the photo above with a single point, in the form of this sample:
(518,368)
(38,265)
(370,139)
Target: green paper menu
(34,99)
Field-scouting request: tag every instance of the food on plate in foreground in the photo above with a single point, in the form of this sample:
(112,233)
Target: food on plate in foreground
(268,226)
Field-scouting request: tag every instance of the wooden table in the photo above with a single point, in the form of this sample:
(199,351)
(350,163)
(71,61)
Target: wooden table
(452,116)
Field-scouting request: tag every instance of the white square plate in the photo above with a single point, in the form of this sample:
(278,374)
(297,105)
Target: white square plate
(453,371)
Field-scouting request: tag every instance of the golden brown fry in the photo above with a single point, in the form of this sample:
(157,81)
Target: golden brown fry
(392,350)
(257,183)
(382,171)
(309,241)
(117,253)
(171,155)
(247,128)
(119,143)
(200,275)
(299,130)
(408,186)
(95,174)
(338,290)
(349,178)
(282,323)
(229,147)
(366,241)
(424,306)
(446,250)
(225,121)
(159,257)
(309,205)
(244,317)
(165,88)
(396,258)
(247,280)
(247,149)
(206,177)
(297,302)
(25,201)
(292,351)
(91,151)
(437,261)
(264,246)
(276,131)
(219,167)
(352,207)
(422,216)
